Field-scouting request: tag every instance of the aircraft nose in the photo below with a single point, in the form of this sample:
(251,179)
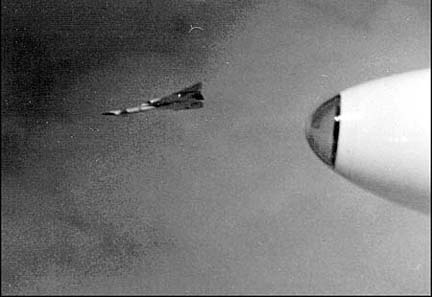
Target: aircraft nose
(322,130)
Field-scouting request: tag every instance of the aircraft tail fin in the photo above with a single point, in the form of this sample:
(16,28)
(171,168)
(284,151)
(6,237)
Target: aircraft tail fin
(191,89)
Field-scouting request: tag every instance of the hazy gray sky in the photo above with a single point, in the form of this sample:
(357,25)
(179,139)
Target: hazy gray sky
(228,199)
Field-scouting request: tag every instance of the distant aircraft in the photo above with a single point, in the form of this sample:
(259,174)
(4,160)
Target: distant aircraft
(188,98)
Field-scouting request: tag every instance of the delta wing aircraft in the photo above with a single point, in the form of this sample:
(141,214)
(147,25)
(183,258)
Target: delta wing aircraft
(188,98)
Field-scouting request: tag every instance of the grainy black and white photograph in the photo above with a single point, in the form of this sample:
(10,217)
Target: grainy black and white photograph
(203,147)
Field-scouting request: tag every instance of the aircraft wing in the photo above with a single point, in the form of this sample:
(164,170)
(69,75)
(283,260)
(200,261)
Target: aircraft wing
(182,105)
(191,92)
(191,89)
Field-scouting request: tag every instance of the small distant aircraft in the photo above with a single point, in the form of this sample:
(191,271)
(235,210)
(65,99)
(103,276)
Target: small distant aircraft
(188,98)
